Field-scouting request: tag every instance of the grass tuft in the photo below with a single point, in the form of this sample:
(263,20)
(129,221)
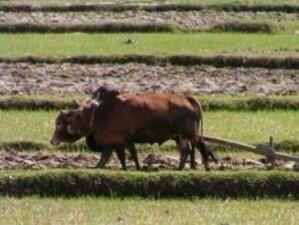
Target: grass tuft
(244,27)
(287,8)
(134,27)
(88,28)
(209,103)
(182,60)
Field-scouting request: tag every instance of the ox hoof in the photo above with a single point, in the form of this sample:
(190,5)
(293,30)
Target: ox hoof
(180,168)
(193,166)
(98,166)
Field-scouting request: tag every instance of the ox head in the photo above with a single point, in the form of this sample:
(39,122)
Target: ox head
(62,132)
(72,125)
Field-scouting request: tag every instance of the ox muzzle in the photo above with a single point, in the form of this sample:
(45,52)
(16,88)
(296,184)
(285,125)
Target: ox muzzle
(55,141)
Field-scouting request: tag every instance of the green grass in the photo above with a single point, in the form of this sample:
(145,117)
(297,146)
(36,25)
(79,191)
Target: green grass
(250,127)
(154,43)
(46,211)
(253,127)
(26,125)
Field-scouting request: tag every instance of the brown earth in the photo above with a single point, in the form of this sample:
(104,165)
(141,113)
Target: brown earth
(188,19)
(46,160)
(23,78)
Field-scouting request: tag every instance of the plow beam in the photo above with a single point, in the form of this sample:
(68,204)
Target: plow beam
(259,148)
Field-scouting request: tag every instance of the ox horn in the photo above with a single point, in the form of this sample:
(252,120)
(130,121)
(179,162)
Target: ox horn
(70,130)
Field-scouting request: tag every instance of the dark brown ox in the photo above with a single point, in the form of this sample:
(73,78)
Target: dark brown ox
(105,95)
(62,135)
(123,120)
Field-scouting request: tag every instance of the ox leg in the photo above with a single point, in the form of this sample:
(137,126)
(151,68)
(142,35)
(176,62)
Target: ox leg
(192,157)
(212,156)
(206,149)
(120,151)
(183,146)
(105,156)
(134,155)
(203,151)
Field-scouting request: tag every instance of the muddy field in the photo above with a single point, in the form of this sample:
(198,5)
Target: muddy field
(22,78)
(190,19)
(45,160)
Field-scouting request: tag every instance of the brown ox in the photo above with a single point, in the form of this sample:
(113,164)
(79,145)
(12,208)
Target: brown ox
(123,120)
(62,135)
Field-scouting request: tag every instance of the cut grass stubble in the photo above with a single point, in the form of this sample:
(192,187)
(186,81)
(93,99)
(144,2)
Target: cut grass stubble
(32,211)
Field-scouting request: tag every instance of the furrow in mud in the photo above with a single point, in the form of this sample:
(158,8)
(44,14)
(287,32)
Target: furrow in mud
(187,19)
(44,160)
(23,78)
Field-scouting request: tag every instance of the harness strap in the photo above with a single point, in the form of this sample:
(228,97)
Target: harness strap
(93,112)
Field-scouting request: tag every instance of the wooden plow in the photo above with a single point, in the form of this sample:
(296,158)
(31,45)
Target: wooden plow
(262,149)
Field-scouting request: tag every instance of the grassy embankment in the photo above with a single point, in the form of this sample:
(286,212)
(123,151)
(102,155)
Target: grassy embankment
(163,184)
(207,2)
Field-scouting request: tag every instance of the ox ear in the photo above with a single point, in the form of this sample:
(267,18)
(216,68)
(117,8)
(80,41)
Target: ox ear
(70,130)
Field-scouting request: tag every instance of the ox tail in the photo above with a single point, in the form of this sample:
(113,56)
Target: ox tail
(198,109)
(205,152)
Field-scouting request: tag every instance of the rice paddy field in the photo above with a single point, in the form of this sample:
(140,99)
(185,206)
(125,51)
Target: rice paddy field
(163,44)
(239,58)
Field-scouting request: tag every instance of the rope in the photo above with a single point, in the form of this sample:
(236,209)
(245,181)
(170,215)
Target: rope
(93,114)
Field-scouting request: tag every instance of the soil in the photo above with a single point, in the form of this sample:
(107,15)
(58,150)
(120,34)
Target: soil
(188,19)
(46,160)
(23,78)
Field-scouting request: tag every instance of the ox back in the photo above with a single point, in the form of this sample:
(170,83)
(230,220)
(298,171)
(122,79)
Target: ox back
(179,121)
